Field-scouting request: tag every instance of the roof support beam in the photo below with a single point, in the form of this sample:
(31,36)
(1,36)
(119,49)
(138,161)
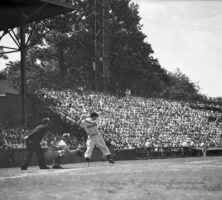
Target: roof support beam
(14,39)
(23,76)
(17,14)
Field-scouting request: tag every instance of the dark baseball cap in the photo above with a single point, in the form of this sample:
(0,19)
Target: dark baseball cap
(94,114)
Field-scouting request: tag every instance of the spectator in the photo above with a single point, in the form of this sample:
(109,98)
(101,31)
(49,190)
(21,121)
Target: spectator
(137,119)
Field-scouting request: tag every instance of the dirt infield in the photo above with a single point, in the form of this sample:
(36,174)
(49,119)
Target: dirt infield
(187,178)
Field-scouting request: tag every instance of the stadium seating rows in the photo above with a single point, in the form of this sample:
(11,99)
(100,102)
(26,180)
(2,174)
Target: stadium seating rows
(14,138)
(135,122)
(127,122)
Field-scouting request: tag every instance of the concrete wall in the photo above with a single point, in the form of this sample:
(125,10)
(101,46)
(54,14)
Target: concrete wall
(15,157)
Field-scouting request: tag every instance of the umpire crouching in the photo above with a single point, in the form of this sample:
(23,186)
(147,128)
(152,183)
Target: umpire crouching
(33,145)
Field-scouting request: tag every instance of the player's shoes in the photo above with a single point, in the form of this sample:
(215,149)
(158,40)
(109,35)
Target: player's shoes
(110,159)
(45,167)
(111,162)
(87,161)
(23,168)
(57,167)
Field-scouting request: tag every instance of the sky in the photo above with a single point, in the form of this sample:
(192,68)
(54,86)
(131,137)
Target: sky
(8,42)
(186,35)
(183,34)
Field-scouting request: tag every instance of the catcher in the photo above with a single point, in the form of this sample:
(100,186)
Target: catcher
(58,150)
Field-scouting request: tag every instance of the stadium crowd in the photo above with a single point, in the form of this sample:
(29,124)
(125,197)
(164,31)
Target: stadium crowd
(14,138)
(127,122)
(136,122)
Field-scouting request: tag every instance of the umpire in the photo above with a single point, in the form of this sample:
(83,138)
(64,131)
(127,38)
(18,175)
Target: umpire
(33,145)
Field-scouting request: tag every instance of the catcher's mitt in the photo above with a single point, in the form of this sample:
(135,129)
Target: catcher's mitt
(81,150)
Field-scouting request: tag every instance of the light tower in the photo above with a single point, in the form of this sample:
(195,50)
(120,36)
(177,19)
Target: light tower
(101,45)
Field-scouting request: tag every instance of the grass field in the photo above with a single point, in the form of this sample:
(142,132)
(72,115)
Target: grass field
(186,178)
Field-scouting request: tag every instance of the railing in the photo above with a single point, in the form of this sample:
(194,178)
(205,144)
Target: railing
(169,152)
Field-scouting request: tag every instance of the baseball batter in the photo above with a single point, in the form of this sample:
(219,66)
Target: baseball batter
(95,138)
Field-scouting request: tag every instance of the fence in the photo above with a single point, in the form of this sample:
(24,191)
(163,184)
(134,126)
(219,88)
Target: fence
(157,153)
(14,157)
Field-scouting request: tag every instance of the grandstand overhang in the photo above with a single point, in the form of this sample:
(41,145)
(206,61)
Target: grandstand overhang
(15,13)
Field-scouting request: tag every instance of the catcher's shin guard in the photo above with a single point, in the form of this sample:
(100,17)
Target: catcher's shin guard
(58,161)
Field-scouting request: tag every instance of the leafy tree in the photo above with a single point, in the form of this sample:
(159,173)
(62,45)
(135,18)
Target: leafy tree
(132,64)
(61,52)
(181,87)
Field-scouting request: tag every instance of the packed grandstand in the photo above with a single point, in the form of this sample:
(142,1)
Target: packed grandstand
(127,122)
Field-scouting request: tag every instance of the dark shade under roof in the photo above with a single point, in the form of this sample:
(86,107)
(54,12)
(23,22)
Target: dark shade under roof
(14,13)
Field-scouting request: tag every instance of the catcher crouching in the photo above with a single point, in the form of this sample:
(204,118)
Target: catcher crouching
(58,150)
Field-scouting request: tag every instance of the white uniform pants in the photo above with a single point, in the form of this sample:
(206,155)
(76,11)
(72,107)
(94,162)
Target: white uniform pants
(98,141)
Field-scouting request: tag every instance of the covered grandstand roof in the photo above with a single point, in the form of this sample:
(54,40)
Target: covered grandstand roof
(14,13)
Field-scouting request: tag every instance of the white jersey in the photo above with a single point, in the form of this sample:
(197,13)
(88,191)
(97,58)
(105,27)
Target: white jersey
(92,130)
